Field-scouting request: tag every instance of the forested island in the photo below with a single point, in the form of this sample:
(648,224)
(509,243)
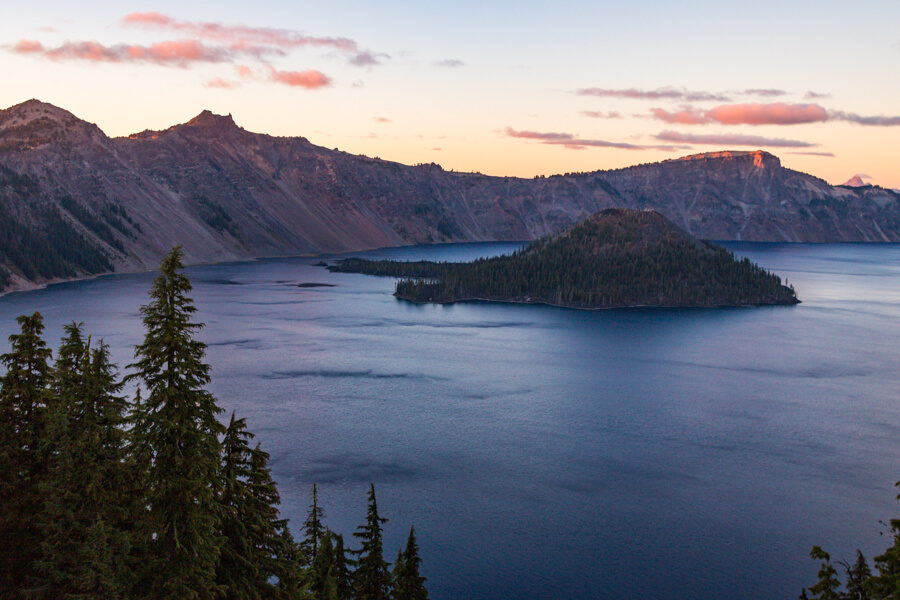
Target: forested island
(106,497)
(614,258)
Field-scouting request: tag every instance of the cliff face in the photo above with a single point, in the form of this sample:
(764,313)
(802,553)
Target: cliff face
(224,193)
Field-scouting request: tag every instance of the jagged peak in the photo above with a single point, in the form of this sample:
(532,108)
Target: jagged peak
(210,120)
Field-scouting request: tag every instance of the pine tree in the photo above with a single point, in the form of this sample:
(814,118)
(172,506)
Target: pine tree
(24,399)
(255,548)
(828,584)
(372,580)
(176,445)
(408,583)
(314,529)
(88,506)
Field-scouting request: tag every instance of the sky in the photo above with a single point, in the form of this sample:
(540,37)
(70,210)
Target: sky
(502,88)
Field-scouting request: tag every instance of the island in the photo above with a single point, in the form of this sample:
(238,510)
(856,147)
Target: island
(614,258)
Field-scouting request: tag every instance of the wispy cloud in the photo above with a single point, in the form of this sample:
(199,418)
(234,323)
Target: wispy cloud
(665,93)
(220,83)
(381,120)
(180,53)
(236,34)
(569,141)
(595,114)
(765,92)
(824,154)
(877,121)
(733,139)
(239,36)
(815,96)
(450,63)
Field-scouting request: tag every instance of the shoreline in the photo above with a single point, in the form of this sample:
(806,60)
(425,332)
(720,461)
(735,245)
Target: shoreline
(622,306)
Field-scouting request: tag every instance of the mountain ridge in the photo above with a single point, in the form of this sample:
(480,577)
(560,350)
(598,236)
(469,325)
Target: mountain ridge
(225,193)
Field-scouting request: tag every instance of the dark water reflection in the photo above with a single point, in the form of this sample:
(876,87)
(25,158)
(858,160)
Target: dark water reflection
(552,453)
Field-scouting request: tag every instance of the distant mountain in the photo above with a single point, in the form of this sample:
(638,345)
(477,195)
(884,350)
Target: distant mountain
(857,180)
(615,258)
(74,202)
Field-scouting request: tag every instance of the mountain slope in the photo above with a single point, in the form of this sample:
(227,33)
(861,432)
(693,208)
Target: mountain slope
(85,203)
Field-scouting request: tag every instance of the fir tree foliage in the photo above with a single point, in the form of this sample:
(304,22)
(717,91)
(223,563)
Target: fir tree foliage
(408,583)
(256,552)
(313,528)
(24,401)
(372,580)
(341,569)
(88,504)
(857,575)
(827,585)
(178,448)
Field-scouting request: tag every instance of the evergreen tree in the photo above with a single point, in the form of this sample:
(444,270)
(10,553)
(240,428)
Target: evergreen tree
(88,505)
(342,574)
(372,580)
(176,445)
(24,399)
(857,576)
(828,584)
(255,549)
(323,584)
(408,583)
(314,529)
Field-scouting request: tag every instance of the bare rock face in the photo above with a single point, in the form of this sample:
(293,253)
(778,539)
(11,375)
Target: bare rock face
(75,202)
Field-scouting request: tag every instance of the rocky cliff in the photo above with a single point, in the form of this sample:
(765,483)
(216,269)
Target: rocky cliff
(75,202)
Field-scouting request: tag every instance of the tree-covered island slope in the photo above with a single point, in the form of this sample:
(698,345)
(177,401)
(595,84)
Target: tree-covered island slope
(614,258)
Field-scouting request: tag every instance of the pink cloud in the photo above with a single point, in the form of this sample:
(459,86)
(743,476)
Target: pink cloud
(666,93)
(282,38)
(734,139)
(776,113)
(825,154)
(382,120)
(309,79)
(28,47)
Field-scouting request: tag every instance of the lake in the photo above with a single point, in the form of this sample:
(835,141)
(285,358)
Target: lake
(552,453)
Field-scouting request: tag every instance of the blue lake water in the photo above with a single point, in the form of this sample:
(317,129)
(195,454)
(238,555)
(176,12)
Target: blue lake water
(552,453)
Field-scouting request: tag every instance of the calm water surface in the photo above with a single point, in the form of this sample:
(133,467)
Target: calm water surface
(552,453)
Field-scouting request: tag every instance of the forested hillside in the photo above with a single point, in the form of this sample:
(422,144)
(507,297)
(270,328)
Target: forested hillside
(612,259)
